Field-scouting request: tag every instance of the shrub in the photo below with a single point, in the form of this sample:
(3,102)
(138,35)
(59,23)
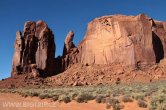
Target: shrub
(34,94)
(73,95)
(112,102)
(30,93)
(161,106)
(127,98)
(100,99)
(43,96)
(65,99)
(118,107)
(24,95)
(138,96)
(142,104)
(158,101)
(55,98)
(153,105)
(84,98)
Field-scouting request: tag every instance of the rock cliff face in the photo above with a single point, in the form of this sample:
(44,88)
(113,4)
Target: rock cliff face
(128,40)
(133,41)
(35,47)
(159,38)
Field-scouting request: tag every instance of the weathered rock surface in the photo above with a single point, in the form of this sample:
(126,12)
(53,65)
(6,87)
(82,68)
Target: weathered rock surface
(159,38)
(36,46)
(69,45)
(70,52)
(79,75)
(45,53)
(17,57)
(127,40)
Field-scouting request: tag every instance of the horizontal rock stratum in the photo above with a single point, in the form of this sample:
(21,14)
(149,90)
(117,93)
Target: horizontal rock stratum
(133,41)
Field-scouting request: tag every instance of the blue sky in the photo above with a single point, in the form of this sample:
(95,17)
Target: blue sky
(63,16)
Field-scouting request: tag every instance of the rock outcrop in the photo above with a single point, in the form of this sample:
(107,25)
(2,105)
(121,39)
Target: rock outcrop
(127,40)
(18,53)
(35,46)
(133,41)
(45,53)
(70,52)
(159,38)
(69,45)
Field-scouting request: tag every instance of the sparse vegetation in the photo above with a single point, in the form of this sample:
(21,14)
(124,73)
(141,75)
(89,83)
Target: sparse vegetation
(113,96)
(158,100)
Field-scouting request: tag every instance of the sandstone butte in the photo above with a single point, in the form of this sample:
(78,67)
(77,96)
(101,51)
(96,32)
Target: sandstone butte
(133,41)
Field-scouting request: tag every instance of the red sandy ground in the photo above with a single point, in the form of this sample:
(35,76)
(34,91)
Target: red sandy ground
(50,105)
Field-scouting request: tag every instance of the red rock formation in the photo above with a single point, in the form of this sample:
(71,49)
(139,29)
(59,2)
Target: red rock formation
(70,52)
(35,47)
(17,57)
(133,41)
(45,53)
(69,45)
(127,40)
(30,45)
(159,38)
